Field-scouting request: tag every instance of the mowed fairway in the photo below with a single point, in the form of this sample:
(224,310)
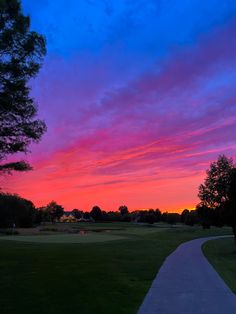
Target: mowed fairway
(100,277)
(65,238)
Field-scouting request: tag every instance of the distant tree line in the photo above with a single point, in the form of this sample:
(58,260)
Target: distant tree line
(17,211)
(217,206)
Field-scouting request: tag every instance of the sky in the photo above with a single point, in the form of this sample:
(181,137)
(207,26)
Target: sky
(139,98)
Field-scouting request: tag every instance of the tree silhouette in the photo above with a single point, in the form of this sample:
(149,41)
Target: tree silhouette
(230,210)
(218,194)
(21,54)
(96,213)
(16,210)
(157,215)
(123,209)
(184,215)
(215,190)
(77,213)
(54,211)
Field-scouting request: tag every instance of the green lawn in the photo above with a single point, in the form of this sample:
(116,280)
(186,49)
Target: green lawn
(107,277)
(222,255)
(65,238)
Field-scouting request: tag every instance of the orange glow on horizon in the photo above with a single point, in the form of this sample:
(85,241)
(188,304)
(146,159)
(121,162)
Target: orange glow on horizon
(76,181)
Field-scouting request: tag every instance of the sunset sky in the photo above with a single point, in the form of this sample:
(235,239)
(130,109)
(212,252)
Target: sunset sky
(138,97)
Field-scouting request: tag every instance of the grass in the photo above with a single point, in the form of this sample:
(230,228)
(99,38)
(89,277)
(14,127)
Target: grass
(65,238)
(109,277)
(222,255)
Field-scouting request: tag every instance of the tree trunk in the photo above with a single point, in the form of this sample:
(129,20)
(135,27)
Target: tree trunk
(234,232)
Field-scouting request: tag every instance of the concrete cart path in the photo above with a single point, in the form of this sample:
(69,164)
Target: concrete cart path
(188,284)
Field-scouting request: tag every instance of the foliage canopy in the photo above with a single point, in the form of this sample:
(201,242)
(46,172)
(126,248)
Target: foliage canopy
(21,54)
(218,194)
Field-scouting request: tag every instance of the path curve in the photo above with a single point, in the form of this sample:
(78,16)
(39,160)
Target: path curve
(188,284)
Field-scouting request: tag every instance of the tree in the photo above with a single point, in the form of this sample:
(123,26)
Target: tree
(16,210)
(218,193)
(215,190)
(53,211)
(184,215)
(96,213)
(123,209)
(124,213)
(157,215)
(86,216)
(230,208)
(205,214)
(39,217)
(77,213)
(191,218)
(21,54)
